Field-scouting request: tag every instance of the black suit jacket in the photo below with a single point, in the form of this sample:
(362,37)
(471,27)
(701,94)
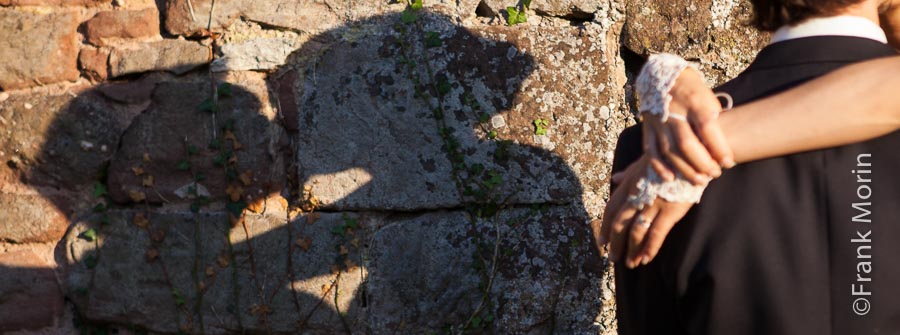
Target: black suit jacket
(773,247)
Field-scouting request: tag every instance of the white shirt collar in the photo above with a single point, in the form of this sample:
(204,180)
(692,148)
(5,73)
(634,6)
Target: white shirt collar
(844,25)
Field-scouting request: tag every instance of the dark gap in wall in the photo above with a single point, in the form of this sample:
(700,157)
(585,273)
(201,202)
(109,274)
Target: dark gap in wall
(633,61)
(483,10)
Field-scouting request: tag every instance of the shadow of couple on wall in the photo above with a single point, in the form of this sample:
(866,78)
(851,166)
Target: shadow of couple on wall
(386,134)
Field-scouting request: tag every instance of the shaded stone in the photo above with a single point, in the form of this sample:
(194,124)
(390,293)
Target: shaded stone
(110,26)
(394,273)
(29,295)
(175,143)
(176,56)
(54,149)
(135,91)
(572,9)
(37,48)
(94,62)
(426,270)
(247,283)
(710,31)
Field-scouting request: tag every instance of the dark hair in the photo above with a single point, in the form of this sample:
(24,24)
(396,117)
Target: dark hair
(769,15)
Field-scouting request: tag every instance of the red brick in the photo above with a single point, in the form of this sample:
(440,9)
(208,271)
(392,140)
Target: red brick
(94,63)
(122,24)
(37,48)
(30,298)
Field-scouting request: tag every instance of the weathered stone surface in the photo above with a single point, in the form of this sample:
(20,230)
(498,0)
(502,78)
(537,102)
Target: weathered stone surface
(111,26)
(160,139)
(29,295)
(282,285)
(31,218)
(709,31)
(573,9)
(37,48)
(89,3)
(176,56)
(424,273)
(367,142)
(395,274)
(256,54)
(94,62)
(54,149)
(302,15)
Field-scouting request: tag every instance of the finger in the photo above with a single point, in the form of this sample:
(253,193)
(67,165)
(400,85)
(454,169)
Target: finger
(639,228)
(619,232)
(596,231)
(712,136)
(693,151)
(662,170)
(616,178)
(674,159)
(662,224)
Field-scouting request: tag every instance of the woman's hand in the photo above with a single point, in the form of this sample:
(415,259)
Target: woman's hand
(635,236)
(690,141)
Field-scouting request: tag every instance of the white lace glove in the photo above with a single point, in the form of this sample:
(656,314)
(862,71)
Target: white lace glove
(653,186)
(653,85)
(656,80)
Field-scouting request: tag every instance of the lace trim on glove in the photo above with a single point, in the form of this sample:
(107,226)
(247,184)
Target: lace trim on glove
(656,80)
(653,186)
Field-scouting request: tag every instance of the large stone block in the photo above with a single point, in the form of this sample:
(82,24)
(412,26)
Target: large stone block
(89,3)
(37,48)
(538,267)
(335,272)
(369,140)
(198,273)
(191,17)
(711,32)
(111,26)
(177,142)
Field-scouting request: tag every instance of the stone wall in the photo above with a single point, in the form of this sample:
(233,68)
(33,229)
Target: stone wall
(322,166)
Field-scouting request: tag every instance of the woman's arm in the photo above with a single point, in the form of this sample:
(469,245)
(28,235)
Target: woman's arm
(853,104)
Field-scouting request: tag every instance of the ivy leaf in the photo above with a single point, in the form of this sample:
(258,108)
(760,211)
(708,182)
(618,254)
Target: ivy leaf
(443,87)
(416,5)
(408,16)
(224,89)
(433,40)
(207,106)
(179,299)
(526,3)
(99,189)
(492,134)
(192,150)
(89,235)
(183,165)
(90,261)
(540,126)
(236,208)
(476,322)
(514,16)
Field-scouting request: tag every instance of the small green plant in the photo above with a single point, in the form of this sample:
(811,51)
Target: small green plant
(517,14)
(540,126)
